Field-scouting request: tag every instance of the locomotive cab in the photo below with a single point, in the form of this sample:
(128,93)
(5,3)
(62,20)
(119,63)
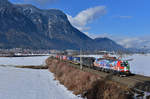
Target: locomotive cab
(124,67)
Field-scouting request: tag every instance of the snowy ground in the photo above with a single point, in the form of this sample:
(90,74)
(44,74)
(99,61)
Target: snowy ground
(18,83)
(39,84)
(31,84)
(139,65)
(16,61)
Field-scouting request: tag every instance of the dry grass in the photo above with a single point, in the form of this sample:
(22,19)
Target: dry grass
(87,84)
(107,90)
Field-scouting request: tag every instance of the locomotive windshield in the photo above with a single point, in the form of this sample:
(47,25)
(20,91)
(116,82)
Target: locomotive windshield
(124,64)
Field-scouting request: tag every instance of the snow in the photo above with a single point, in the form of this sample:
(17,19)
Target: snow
(139,65)
(23,61)
(19,83)
(40,84)
(31,84)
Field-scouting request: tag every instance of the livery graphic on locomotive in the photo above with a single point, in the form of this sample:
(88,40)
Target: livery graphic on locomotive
(112,64)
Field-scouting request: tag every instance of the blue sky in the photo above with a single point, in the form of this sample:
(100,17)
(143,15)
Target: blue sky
(117,19)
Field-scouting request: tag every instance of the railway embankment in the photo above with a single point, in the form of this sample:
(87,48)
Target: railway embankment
(86,83)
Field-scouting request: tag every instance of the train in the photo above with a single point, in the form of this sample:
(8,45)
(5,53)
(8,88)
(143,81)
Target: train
(107,64)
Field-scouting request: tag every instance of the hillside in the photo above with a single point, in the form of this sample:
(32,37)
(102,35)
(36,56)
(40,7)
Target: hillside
(26,26)
(107,44)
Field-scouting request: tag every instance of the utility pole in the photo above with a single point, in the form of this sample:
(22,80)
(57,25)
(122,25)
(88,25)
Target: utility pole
(81,59)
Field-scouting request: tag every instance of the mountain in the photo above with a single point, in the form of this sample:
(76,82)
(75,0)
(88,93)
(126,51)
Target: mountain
(108,44)
(25,26)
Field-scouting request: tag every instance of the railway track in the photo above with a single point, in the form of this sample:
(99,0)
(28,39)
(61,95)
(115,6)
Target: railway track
(140,77)
(139,85)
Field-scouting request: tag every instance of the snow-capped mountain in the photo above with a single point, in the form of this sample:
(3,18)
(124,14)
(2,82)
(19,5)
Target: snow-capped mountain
(26,26)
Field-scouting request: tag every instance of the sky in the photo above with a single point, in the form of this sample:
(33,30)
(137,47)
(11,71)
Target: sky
(125,21)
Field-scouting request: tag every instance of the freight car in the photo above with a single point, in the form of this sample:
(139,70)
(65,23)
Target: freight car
(88,61)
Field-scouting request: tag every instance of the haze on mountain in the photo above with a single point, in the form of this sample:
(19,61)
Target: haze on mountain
(25,26)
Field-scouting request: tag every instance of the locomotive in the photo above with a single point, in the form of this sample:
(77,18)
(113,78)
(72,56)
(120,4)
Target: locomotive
(106,64)
(115,66)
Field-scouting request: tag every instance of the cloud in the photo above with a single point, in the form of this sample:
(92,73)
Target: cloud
(126,41)
(102,35)
(129,43)
(82,19)
(135,42)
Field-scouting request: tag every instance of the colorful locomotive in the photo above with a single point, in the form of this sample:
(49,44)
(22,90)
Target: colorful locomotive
(112,65)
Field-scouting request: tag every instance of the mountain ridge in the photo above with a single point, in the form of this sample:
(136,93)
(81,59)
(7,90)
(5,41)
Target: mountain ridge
(26,26)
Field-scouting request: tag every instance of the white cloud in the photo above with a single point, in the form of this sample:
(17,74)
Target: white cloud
(82,19)
(135,42)
(129,42)
(126,41)
(102,35)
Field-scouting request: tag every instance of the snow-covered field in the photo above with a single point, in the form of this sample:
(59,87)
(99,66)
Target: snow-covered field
(31,84)
(139,65)
(39,84)
(24,61)
(18,83)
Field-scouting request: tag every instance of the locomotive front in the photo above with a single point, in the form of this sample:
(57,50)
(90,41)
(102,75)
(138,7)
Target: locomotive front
(125,67)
